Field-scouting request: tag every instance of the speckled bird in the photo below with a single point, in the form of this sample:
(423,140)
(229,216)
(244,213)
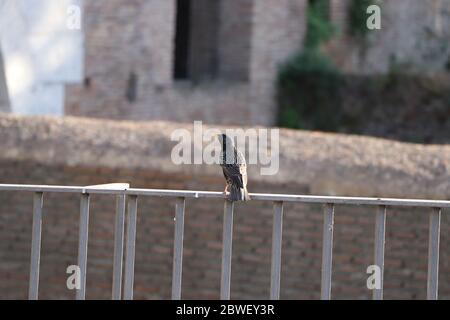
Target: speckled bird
(234,169)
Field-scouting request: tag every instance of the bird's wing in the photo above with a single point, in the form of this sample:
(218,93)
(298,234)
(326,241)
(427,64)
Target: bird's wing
(232,172)
(235,173)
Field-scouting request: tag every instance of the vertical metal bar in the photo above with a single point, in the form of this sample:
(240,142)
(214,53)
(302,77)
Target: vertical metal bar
(380,232)
(35,246)
(327,251)
(277,233)
(433,254)
(83,244)
(227,242)
(118,247)
(131,241)
(178,249)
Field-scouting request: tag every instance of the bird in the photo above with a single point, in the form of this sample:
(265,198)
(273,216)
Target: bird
(234,169)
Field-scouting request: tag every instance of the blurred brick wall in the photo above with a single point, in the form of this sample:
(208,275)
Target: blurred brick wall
(125,37)
(76,151)
(236,49)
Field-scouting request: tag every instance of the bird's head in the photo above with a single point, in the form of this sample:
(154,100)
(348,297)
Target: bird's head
(225,140)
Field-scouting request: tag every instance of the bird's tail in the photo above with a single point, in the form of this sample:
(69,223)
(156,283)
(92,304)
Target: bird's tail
(238,194)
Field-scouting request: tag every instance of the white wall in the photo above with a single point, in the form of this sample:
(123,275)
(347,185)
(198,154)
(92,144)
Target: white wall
(4,101)
(41,53)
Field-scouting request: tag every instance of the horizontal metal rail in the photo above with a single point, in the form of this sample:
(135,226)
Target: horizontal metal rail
(123,194)
(214,194)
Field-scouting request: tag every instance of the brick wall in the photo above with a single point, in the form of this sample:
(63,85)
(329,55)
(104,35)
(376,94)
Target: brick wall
(84,152)
(278,32)
(234,58)
(406,242)
(137,37)
(235,39)
(204,40)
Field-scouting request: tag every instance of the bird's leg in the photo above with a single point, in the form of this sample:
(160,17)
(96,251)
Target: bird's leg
(226,189)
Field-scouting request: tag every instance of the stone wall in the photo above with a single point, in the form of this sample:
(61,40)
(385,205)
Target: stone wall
(414,37)
(76,151)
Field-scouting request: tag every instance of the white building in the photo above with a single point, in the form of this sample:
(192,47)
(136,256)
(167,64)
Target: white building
(41,44)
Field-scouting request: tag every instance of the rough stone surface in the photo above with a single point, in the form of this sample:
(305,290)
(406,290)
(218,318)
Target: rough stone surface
(326,163)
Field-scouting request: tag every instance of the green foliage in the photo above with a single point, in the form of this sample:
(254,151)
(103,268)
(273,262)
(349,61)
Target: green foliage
(308,92)
(308,84)
(358,18)
(319,28)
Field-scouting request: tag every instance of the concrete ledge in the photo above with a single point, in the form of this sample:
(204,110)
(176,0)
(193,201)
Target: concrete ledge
(327,164)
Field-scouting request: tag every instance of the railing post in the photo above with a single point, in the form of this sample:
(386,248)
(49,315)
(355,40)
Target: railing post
(178,249)
(131,242)
(327,251)
(276,250)
(118,247)
(35,246)
(433,254)
(227,242)
(380,225)
(83,234)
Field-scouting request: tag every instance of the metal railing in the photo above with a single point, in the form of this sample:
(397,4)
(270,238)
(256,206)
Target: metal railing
(125,194)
